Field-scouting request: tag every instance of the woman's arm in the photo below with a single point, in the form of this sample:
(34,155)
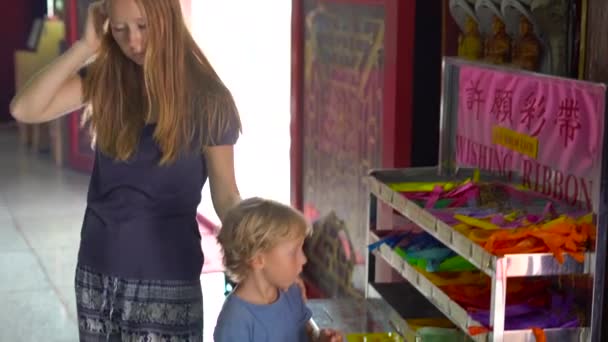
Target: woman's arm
(54,91)
(57,88)
(222,181)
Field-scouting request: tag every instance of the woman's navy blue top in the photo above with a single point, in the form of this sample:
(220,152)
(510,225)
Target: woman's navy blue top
(140,220)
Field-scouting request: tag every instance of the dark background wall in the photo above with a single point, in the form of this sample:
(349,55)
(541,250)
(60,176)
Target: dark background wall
(15,25)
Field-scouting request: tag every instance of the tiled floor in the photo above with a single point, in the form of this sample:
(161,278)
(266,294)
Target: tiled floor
(41,209)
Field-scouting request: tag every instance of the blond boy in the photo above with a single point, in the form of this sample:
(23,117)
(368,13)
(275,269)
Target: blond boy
(262,243)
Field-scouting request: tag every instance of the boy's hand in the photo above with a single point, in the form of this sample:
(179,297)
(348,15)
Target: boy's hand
(330,335)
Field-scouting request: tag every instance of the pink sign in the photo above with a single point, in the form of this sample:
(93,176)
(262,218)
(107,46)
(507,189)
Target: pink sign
(549,131)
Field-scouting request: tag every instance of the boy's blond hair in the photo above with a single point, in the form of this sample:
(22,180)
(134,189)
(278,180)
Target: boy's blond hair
(257,225)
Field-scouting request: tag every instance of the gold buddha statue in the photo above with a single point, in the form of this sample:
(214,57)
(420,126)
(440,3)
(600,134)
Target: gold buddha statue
(527,48)
(498,46)
(470,45)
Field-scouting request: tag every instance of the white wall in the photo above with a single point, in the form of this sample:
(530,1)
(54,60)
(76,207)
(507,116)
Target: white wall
(249,43)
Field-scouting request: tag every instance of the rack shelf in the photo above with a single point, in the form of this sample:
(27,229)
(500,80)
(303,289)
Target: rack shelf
(474,137)
(513,265)
(455,312)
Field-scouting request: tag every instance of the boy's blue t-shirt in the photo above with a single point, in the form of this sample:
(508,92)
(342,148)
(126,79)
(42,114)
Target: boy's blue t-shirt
(284,320)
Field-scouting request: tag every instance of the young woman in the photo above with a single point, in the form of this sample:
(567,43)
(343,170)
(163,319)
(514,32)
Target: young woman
(162,123)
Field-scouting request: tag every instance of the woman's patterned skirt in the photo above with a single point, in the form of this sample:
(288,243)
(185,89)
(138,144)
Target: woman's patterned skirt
(115,309)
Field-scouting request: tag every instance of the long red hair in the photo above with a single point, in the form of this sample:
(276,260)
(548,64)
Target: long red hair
(177,86)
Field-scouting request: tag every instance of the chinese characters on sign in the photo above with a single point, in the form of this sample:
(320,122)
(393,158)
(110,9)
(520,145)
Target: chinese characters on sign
(474,98)
(533,114)
(549,131)
(568,120)
(501,107)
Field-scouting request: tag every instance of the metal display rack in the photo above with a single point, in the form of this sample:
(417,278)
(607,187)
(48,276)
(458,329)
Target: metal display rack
(499,269)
